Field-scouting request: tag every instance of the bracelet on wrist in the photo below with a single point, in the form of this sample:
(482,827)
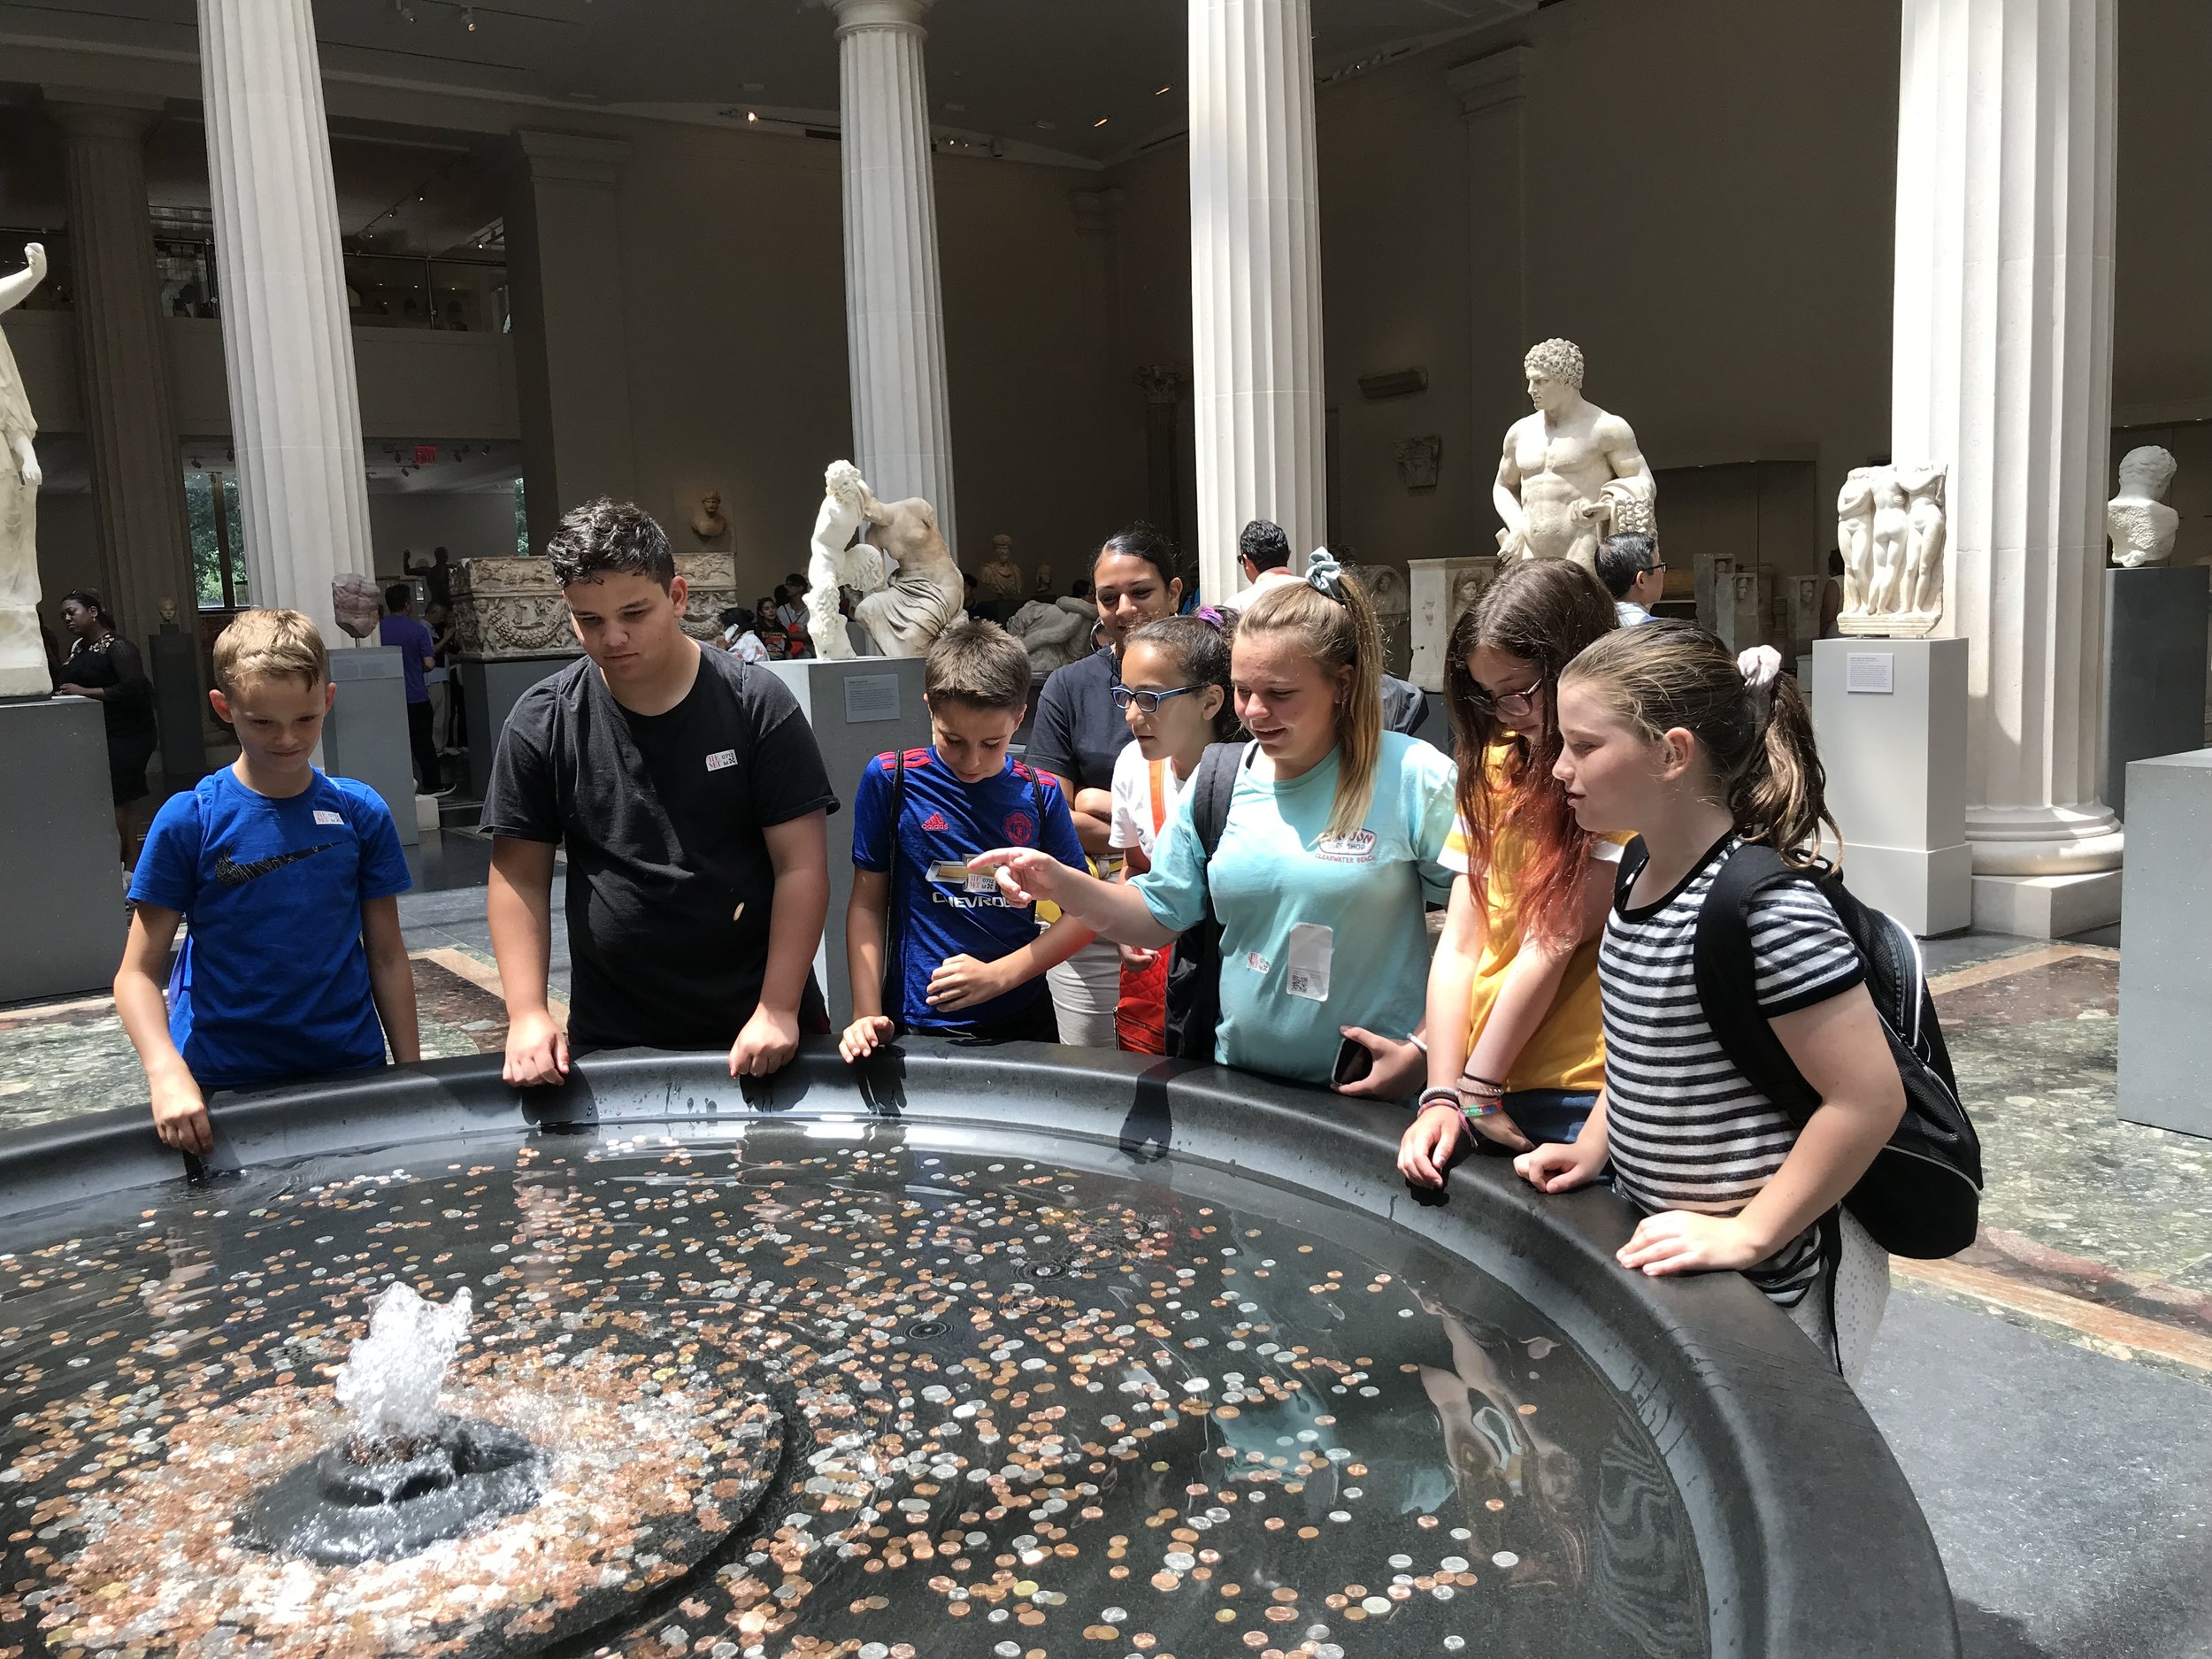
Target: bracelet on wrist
(1484,1108)
(1440,1096)
(1478,1085)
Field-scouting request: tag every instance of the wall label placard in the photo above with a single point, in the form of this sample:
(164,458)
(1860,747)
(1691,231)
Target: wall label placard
(871,697)
(1874,672)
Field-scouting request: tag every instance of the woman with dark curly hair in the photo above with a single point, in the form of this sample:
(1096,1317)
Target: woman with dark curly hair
(104,666)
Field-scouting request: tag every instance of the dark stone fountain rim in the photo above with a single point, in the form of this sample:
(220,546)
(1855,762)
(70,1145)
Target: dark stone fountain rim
(1809,1540)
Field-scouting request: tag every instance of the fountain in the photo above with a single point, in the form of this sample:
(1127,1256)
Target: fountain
(1010,1354)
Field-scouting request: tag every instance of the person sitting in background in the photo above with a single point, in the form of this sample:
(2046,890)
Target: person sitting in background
(691,797)
(1634,574)
(401,627)
(930,948)
(107,668)
(769,629)
(295,965)
(737,637)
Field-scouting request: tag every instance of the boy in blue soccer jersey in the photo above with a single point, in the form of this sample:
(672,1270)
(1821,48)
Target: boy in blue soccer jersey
(295,963)
(964,959)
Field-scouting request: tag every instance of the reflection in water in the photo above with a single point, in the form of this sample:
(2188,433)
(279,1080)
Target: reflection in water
(1025,1410)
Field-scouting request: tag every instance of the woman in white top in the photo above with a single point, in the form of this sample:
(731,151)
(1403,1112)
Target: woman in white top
(1174,693)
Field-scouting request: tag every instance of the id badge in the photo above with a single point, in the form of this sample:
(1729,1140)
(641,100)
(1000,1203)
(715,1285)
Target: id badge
(951,873)
(1306,961)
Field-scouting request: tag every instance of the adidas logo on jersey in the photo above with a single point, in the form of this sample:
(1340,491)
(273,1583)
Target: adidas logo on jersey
(936,825)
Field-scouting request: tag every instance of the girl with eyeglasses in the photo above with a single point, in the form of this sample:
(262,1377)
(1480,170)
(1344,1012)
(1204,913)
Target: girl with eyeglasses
(1517,1042)
(1173,695)
(1334,831)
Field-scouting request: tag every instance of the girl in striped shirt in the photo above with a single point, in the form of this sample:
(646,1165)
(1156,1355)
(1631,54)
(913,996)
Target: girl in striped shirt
(1663,735)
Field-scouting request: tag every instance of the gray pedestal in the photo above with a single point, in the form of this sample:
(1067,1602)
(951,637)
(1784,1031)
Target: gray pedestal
(2165,971)
(2154,627)
(488,691)
(859,709)
(365,736)
(179,704)
(61,888)
(1890,717)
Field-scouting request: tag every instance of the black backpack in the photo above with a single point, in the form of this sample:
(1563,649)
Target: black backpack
(1193,972)
(1922,1195)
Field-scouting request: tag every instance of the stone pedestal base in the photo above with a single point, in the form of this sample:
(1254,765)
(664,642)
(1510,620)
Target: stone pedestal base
(2047,907)
(2155,630)
(1890,717)
(365,736)
(23,672)
(859,709)
(1442,590)
(61,914)
(487,692)
(2165,972)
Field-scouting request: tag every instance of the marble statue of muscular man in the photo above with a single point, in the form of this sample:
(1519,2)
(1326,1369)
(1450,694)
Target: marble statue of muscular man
(1571,473)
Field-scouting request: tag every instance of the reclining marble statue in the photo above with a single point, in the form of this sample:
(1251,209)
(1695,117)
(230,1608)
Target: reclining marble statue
(23,670)
(894,554)
(1571,473)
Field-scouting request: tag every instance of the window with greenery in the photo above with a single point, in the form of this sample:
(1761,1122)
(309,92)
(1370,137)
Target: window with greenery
(522,524)
(219,540)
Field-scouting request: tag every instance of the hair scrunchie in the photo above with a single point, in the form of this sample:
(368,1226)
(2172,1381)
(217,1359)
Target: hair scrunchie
(1324,575)
(1211,617)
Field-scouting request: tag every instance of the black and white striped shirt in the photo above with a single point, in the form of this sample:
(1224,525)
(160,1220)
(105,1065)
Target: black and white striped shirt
(1686,1131)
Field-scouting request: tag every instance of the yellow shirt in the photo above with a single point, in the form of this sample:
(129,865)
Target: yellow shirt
(1567,1051)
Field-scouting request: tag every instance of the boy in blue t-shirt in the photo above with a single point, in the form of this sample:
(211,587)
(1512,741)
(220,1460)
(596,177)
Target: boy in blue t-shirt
(295,963)
(965,959)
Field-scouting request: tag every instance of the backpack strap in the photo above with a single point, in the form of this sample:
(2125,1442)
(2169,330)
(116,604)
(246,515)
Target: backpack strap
(1211,787)
(894,981)
(1728,978)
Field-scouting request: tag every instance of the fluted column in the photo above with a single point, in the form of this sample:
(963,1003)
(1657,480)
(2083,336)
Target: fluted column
(894,310)
(287,345)
(2002,368)
(137,477)
(1256,280)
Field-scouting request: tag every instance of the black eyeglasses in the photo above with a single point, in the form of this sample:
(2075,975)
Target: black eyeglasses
(1507,702)
(1149,702)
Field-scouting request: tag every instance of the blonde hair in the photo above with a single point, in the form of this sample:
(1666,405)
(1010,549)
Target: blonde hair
(1337,631)
(1663,675)
(261,645)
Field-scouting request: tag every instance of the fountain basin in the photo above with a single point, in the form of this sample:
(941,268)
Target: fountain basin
(1711,1411)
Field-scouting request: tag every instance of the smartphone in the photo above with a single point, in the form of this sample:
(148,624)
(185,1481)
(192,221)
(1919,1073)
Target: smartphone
(1354,1060)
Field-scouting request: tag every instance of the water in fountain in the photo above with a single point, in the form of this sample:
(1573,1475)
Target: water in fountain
(390,1381)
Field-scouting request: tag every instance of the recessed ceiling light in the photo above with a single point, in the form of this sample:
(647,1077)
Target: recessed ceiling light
(752,115)
(1169,87)
(1101,121)
(1044,126)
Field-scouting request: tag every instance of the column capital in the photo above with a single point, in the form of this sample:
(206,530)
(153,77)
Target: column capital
(853,15)
(1492,82)
(83,113)
(1097,212)
(1163,382)
(571,157)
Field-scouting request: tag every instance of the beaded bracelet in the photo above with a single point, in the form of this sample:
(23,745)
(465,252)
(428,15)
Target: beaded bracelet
(1440,1096)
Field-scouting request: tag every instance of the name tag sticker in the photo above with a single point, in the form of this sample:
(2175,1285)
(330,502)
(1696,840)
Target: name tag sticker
(322,816)
(1307,971)
(1256,962)
(721,760)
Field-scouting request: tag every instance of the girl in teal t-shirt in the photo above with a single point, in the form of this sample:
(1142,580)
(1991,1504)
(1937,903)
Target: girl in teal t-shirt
(1335,828)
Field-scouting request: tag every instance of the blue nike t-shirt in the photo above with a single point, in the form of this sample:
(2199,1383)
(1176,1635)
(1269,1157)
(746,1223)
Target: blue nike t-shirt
(272,980)
(936,910)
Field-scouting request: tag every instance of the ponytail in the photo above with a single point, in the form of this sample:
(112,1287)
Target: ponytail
(1663,675)
(1332,618)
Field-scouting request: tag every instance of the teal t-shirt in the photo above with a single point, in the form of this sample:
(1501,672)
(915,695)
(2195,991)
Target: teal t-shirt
(1315,934)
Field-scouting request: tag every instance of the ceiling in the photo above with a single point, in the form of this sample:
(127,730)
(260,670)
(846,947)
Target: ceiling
(1083,80)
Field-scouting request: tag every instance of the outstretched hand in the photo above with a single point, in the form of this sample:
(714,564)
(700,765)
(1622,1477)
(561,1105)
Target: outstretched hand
(1025,874)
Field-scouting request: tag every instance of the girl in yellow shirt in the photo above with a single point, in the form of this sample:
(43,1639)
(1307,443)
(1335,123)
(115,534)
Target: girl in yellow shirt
(1516,1038)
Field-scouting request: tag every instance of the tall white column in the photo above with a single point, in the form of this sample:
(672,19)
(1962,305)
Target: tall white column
(894,308)
(2002,368)
(288,344)
(1256,280)
(137,476)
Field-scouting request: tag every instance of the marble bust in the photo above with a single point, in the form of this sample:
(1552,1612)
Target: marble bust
(2137,519)
(1043,589)
(707,523)
(23,670)
(355,603)
(894,553)
(1001,578)
(1571,473)
(1891,531)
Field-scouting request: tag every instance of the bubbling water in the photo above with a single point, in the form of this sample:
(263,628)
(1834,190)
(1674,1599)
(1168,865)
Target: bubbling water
(390,1381)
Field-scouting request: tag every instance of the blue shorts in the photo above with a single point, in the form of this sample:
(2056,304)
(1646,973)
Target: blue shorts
(1546,1115)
